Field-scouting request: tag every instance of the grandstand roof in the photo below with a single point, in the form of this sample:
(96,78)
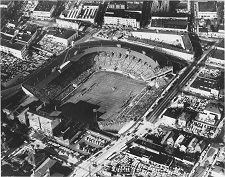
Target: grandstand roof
(45,6)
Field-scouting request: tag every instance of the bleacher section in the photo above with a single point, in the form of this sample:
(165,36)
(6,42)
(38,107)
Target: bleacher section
(145,99)
(81,69)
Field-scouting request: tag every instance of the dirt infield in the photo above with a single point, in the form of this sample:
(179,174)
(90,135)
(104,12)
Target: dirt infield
(110,91)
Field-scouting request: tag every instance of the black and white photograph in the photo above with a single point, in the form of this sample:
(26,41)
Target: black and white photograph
(109,88)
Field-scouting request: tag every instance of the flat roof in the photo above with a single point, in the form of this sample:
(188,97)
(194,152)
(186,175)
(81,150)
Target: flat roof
(173,22)
(15,45)
(45,6)
(221,43)
(24,37)
(62,33)
(173,113)
(123,14)
(219,54)
(204,84)
(8,30)
(209,6)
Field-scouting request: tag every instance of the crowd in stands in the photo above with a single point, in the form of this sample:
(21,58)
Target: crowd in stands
(128,64)
(113,33)
(80,70)
(12,66)
(47,43)
(211,73)
(141,104)
(129,164)
(62,85)
(173,46)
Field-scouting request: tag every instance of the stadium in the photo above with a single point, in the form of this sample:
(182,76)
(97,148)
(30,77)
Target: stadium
(106,86)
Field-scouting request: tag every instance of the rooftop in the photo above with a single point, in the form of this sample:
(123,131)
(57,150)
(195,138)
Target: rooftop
(212,108)
(123,14)
(221,44)
(62,33)
(219,54)
(7,30)
(204,84)
(22,36)
(173,112)
(45,6)
(169,22)
(209,6)
(5,41)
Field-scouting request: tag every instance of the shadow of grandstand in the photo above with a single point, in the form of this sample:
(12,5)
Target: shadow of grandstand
(81,111)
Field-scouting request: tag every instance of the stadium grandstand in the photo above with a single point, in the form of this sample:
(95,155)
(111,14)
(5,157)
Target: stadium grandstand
(122,74)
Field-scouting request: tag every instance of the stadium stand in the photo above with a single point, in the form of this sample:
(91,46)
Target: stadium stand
(80,70)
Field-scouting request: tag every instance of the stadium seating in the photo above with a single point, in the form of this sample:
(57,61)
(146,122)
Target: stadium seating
(60,87)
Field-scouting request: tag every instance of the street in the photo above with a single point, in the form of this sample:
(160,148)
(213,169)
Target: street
(87,166)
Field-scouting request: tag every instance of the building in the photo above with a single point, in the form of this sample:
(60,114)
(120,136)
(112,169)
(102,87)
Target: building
(117,5)
(6,4)
(65,36)
(169,23)
(64,23)
(205,87)
(207,10)
(170,116)
(15,48)
(44,10)
(40,120)
(218,169)
(122,17)
(217,58)
(86,12)
(15,41)
(207,122)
